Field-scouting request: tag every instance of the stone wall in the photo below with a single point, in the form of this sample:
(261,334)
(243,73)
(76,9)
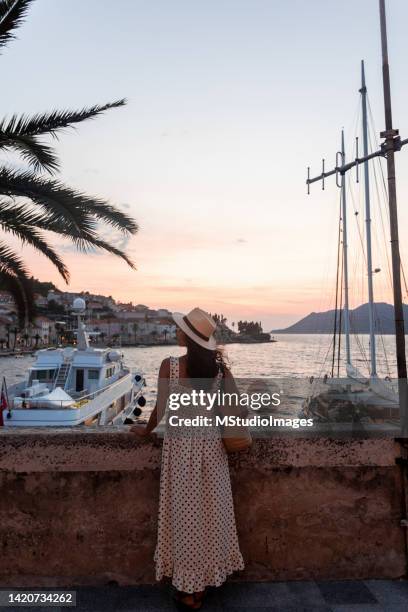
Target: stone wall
(80,508)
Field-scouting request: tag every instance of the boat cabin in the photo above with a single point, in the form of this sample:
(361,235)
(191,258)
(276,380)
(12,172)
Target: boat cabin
(79,372)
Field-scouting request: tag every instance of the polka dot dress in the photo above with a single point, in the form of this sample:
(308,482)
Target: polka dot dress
(197,543)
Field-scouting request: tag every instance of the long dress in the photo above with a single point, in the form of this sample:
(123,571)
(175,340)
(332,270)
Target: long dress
(197,542)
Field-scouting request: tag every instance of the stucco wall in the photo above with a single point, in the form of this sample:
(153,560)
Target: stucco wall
(80,507)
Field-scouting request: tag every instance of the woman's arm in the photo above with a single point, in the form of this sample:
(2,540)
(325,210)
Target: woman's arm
(160,407)
(230,386)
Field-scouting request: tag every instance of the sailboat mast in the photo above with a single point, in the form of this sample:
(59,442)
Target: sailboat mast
(363,92)
(345,256)
(390,135)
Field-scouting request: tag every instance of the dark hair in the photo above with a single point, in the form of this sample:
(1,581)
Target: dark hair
(203,364)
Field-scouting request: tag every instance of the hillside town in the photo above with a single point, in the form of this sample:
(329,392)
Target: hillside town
(108,321)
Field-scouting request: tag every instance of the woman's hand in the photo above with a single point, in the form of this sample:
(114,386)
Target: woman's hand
(140,430)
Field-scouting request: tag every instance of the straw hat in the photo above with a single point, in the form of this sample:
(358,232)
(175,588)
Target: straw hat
(199,326)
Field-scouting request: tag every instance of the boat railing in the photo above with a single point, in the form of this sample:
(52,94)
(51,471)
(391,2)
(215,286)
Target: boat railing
(88,396)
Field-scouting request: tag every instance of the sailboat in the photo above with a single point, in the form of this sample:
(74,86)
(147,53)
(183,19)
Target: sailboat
(357,396)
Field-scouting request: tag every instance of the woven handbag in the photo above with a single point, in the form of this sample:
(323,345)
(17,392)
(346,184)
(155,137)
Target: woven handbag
(235,437)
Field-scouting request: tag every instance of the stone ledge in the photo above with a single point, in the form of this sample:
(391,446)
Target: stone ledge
(80,507)
(114,448)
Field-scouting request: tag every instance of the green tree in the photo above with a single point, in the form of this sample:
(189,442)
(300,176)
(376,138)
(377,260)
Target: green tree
(32,201)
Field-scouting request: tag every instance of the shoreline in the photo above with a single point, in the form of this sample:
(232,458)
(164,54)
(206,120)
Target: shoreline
(31,352)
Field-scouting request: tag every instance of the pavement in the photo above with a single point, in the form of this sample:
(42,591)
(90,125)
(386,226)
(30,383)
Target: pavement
(308,596)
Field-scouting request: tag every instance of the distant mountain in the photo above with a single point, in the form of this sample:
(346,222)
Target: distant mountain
(323,322)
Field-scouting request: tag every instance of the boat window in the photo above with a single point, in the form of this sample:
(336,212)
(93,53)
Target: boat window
(109,372)
(93,374)
(42,375)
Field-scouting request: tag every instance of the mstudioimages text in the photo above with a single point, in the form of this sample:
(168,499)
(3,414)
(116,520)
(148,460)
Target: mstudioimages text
(209,401)
(255,421)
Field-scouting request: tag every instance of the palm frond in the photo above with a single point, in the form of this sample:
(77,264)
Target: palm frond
(74,209)
(52,122)
(85,240)
(12,13)
(14,220)
(14,278)
(10,262)
(106,246)
(38,154)
(20,289)
(21,133)
(63,211)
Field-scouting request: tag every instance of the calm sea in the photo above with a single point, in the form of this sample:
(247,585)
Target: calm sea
(298,356)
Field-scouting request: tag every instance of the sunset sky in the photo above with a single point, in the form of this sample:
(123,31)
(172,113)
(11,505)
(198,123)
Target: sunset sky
(228,102)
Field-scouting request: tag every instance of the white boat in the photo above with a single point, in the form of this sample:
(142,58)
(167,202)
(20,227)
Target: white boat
(75,386)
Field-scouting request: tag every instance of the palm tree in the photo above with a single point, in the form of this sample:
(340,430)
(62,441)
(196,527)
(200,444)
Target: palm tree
(33,201)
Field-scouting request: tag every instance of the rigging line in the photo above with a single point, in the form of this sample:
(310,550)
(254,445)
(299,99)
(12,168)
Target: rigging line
(324,293)
(386,198)
(379,325)
(340,317)
(349,183)
(360,299)
(372,137)
(383,230)
(362,350)
(371,124)
(337,293)
(319,376)
(322,362)
(357,115)
(356,217)
(379,200)
(351,130)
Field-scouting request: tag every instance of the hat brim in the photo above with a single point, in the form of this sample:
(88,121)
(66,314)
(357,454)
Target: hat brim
(210,344)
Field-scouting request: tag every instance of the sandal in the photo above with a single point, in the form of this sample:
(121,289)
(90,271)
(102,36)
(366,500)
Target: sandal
(188,601)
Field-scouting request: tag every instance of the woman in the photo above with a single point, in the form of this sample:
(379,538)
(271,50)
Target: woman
(197,543)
